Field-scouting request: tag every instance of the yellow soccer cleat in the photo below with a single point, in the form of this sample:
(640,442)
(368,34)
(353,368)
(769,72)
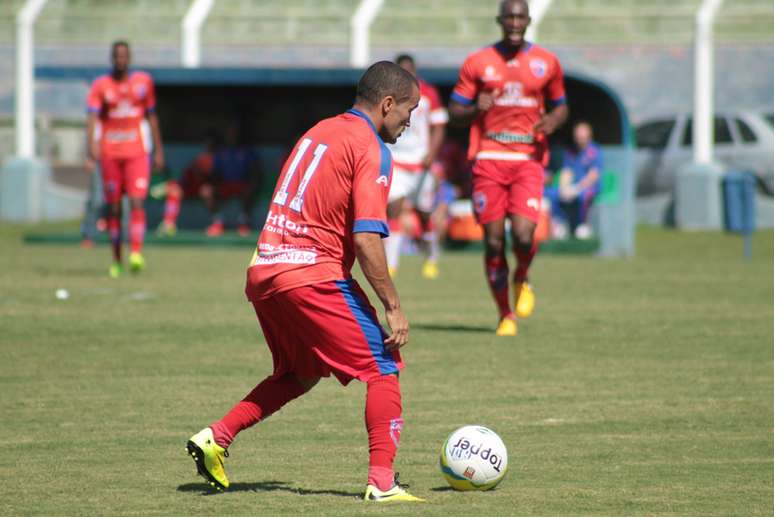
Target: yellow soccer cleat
(396,494)
(430,270)
(507,327)
(116,270)
(166,229)
(523,299)
(136,262)
(209,457)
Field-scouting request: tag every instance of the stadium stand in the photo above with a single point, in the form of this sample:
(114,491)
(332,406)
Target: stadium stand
(69,22)
(290,22)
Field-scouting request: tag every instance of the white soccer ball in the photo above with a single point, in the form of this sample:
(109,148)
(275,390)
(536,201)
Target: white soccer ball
(473,458)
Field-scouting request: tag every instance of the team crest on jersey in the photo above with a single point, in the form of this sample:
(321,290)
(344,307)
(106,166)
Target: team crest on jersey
(538,67)
(140,90)
(479,202)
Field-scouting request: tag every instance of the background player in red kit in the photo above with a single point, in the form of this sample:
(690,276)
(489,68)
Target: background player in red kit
(512,94)
(328,208)
(414,186)
(119,102)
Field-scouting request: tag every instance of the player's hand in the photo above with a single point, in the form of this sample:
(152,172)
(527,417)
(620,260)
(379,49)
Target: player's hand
(399,327)
(546,125)
(158,160)
(486,100)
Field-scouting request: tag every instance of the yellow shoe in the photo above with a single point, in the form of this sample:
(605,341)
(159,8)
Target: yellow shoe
(136,262)
(395,494)
(507,327)
(208,457)
(116,270)
(523,299)
(430,270)
(166,229)
(392,271)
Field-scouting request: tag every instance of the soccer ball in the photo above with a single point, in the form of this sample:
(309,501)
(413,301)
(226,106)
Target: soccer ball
(473,458)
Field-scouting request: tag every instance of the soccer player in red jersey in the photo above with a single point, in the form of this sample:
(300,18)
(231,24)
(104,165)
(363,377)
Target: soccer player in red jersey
(328,209)
(118,103)
(512,94)
(413,185)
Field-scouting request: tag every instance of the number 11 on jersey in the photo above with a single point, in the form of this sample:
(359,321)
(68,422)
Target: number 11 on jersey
(298,200)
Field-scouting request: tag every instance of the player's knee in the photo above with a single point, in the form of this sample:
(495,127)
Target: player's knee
(494,244)
(522,239)
(307,382)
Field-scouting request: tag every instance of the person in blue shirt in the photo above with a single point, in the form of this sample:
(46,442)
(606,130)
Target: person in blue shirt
(579,180)
(235,175)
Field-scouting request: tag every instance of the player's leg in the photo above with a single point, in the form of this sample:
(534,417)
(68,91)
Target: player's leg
(384,424)
(247,198)
(216,227)
(394,242)
(137,173)
(525,195)
(112,184)
(424,201)
(400,187)
(172,201)
(490,204)
(209,447)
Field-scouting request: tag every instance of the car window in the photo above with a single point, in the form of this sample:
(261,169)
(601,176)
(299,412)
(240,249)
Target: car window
(747,134)
(722,132)
(654,135)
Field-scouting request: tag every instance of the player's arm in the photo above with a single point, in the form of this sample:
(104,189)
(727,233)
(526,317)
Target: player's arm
(93,107)
(555,94)
(369,200)
(92,153)
(373,262)
(153,120)
(467,101)
(552,120)
(158,149)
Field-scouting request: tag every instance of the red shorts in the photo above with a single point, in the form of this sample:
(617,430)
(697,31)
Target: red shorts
(129,176)
(503,188)
(319,329)
(229,189)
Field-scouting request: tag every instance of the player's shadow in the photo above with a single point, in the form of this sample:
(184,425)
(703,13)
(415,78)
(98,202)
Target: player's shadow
(455,327)
(263,486)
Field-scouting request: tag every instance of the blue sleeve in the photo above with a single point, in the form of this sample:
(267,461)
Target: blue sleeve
(371,226)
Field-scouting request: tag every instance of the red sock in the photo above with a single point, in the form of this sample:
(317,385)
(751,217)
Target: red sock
(136,229)
(266,398)
(114,229)
(524,259)
(172,206)
(497,276)
(384,425)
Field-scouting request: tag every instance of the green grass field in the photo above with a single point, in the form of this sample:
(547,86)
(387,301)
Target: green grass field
(639,387)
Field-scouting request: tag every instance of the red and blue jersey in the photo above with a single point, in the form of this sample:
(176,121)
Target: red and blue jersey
(334,184)
(121,107)
(523,83)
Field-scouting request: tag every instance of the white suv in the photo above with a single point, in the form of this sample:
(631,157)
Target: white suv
(743,141)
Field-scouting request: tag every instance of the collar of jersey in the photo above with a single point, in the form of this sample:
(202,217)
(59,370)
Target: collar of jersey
(365,117)
(524,48)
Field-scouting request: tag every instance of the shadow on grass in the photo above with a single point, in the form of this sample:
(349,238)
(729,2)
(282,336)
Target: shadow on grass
(442,489)
(452,328)
(263,486)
